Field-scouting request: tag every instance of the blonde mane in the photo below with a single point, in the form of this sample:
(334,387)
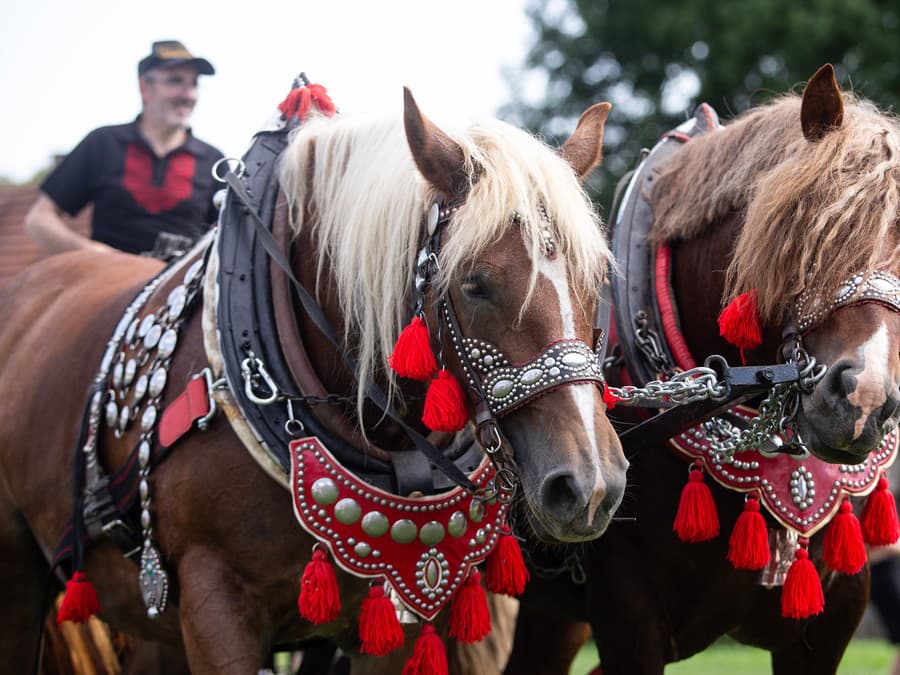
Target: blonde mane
(356,185)
(813,213)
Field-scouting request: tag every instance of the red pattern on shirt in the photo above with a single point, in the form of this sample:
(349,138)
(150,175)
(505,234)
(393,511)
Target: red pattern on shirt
(138,179)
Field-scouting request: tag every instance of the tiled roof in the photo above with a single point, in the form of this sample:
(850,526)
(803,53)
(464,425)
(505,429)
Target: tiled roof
(17,250)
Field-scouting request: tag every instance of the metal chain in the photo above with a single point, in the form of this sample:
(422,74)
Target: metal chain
(777,412)
(688,386)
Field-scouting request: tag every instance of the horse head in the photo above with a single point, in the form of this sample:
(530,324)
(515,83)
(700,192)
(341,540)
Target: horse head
(509,257)
(520,266)
(833,203)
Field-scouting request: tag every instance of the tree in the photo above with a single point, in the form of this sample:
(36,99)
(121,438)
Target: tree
(655,60)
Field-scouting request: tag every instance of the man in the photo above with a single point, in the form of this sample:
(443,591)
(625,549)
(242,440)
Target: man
(150,181)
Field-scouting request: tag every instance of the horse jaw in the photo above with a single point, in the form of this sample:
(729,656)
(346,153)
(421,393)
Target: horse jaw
(858,401)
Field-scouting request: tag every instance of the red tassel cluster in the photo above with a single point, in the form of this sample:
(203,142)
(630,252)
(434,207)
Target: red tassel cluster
(445,404)
(80,602)
(297,103)
(379,630)
(319,600)
(609,398)
(429,656)
(697,519)
(748,547)
(802,596)
(470,619)
(844,548)
(505,572)
(445,401)
(880,526)
(739,322)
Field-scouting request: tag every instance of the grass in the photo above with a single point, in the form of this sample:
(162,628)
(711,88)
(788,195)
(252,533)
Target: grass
(863,657)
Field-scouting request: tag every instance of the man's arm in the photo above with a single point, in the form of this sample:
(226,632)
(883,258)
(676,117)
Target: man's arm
(44,223)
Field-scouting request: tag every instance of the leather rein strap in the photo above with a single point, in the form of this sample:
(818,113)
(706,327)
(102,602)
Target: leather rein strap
(315,313)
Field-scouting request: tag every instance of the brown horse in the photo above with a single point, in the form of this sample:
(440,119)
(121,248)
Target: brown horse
(521,259)
(792,199)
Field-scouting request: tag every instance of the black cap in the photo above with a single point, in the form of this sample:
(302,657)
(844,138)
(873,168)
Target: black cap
(169,53)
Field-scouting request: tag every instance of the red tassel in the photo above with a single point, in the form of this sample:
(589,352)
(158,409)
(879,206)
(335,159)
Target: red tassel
(470,619)
(412,356)
(748,547)
(80,602)
(801,596)
(445,404)
(609,398)
(739,322)
(844,548)
(505,572)
(429,656)
(697,519)
(879,517)
(319,600)
(297,103)
(379,629)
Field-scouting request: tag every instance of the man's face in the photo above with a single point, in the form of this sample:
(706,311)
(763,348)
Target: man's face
(169,95)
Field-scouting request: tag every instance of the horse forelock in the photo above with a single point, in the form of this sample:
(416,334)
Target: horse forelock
(813,213)
(354,183)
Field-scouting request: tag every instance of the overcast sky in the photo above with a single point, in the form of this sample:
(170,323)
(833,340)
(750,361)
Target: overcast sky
(68,66)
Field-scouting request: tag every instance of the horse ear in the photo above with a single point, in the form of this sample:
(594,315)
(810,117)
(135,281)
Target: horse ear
(439,158)
(822,108)
(584,148)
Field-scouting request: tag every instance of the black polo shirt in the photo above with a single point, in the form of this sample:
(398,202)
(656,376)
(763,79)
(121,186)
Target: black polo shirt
(137,195)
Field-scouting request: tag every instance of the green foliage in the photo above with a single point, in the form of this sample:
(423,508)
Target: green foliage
(655,60)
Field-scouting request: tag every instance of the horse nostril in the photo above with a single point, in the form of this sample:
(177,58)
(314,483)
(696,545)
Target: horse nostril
(562,497)
(840,381)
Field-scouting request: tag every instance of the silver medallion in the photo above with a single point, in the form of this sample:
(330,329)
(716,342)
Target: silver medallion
(151,339)
(157,382)
(176,301)
(153,580)
(167,343)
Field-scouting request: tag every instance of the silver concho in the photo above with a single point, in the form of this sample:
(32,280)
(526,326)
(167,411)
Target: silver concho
(153,580)
(324,491)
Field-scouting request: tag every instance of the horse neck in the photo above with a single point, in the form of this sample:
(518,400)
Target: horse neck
(698,283)
(328,363)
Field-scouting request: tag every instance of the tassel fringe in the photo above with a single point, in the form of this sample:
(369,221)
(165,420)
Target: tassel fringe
(748,546)
(697,519)
(412,356)
(470,619)
(379,630)
(506,572)
(429,656)
(80,602)
(445,404)
(319,600)
(880,526)
(844,548)
(802,596)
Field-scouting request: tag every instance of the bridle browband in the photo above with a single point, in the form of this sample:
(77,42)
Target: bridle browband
(878,287)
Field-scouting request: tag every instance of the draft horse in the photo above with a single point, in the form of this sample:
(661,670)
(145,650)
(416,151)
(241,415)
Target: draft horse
(796,201)
(509,241)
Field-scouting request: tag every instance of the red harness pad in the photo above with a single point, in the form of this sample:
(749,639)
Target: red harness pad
(801,494)
(424,547)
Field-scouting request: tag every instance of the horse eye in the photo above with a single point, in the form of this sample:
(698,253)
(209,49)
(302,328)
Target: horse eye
(474,287)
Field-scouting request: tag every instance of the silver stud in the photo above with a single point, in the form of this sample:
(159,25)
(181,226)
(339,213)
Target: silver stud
(403,531)
(432,533)
(375,524)
(324,491)
(347,511)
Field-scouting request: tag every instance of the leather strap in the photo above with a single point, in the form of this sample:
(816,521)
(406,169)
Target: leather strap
(189,406)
